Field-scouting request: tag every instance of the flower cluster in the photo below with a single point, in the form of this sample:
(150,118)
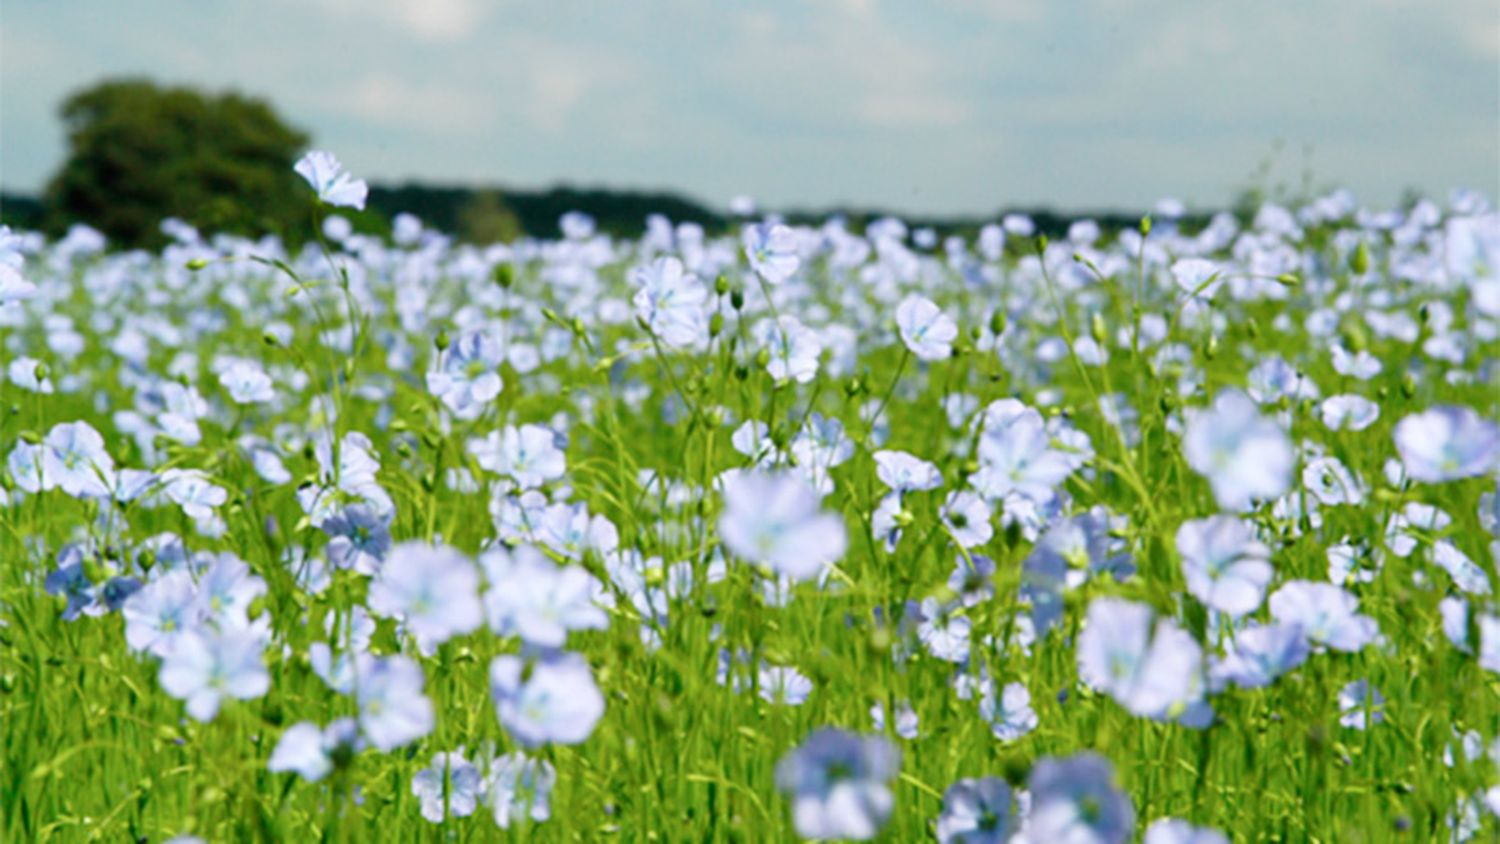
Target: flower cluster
(626,536)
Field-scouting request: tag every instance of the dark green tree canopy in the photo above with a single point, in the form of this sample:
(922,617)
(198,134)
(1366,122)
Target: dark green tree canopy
(139,153)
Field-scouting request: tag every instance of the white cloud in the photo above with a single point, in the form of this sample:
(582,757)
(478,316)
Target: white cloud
(1002,10)
(390,101)
(906,109)
(851,8)
(846,63)
(1482,32)
(758,22)
(430,20)
(557,81)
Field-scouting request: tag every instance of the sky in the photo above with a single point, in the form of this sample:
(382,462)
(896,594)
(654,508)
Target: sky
(922,106)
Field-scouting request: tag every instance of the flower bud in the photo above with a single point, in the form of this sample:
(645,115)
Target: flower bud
(1354,337)
(997,322)
(1013,534)
(504,275)
(780,435)
(95,572)
(655,576)
(1359,259)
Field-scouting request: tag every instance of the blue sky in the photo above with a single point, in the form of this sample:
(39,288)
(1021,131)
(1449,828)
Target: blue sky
(930,106)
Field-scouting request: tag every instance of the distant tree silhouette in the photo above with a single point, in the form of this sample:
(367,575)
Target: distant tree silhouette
(486,219)
(457,209)
(139,153)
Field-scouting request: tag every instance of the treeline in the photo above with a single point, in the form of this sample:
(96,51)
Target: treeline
(623,212)
(21,212)
(481,214)
(139,152)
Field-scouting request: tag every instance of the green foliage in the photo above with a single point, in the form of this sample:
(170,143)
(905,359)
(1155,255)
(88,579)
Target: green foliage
(139,153)
(20,212)
(485,218)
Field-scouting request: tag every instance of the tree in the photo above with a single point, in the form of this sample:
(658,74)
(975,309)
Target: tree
(486,219)
(139,153)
